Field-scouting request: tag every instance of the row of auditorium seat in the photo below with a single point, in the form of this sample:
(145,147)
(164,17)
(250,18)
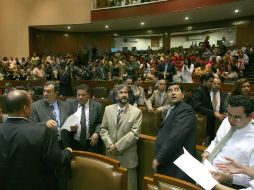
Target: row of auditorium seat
(93,171)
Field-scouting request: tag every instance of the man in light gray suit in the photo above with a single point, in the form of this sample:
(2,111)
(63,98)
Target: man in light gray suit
(86,137)
(159,101)
(52,112)
(120,130)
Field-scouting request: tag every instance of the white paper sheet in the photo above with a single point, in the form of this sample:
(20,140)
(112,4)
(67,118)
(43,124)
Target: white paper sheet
(196,170)
(72,120)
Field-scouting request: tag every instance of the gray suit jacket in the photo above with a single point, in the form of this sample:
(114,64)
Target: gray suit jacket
(124,134)
(42,112)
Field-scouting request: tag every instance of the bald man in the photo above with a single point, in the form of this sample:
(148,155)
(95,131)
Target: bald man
(29,155)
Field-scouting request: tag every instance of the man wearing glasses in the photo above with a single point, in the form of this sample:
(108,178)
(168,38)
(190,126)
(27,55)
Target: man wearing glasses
(234,139)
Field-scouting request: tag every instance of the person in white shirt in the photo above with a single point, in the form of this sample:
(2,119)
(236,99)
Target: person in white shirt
(234,167)
(238,146)
(187,71)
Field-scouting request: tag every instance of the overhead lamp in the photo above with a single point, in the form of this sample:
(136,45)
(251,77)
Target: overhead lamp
(142,23)
(236,11)
(186,18)
(68,27)
(106,26)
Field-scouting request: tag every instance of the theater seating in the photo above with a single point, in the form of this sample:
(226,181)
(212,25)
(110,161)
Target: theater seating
(93,171)
(100,92)
(201,128)
(162,182)
(146,152)
(150,123)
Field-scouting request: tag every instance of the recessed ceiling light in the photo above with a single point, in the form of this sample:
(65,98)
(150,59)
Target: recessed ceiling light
(236,11)
(186,18)
(68,27)
(142,23)
(106,26)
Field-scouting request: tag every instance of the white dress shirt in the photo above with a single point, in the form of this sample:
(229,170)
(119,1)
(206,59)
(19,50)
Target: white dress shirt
(239,147)
(217,99)
(78,113)
(56,114)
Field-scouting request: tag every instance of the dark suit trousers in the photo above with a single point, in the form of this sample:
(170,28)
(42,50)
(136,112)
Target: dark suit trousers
(63,174)
(99,148)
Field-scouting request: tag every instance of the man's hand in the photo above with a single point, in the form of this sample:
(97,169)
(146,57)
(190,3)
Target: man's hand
(112,148)
(51,123)
(232,166)
(155,164)
(74,128)
(94,139)
(219,116)
(158,110)
(222,177)
(150,110)
(205,155)
(68,148)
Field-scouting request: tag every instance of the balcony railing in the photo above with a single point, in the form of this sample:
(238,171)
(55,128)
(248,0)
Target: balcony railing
(109,4)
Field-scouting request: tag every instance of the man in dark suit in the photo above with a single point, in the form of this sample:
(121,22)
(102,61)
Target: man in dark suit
(53,113)
(218,99)
(29,154)
(202,103)
(166,69)
(86,137)
(178,130)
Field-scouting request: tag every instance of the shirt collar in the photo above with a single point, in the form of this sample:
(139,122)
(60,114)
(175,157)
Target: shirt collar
(119,108)
(86,104)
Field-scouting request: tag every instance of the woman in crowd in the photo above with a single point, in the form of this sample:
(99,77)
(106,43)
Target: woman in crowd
(187,70)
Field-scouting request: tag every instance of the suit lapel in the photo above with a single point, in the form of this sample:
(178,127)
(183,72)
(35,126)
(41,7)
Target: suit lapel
(91,111)
(48,108)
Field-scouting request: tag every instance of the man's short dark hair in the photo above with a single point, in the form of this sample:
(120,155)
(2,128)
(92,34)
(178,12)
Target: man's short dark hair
(174,83)
(205,77)
(55,84)
(16,100)
(240,100)
(84,87)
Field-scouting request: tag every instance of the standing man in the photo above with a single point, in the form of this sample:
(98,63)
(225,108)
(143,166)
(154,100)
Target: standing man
(178,131)
(166,69)
(234,139)
(53,113)
(159,101)
(86,137)
(218,99)
(120,130)
(29,154)
(202,103)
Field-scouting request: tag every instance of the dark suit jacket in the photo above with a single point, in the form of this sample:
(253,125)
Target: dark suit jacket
(95,114)
(177,131)
(223,98)
(29,156)
(171,70)
(42,112)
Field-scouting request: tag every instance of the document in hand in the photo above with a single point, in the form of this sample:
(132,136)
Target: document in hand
(72,120)
(196,170)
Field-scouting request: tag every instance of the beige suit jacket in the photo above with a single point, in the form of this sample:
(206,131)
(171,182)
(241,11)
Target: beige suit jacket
(124,135)
(155,101)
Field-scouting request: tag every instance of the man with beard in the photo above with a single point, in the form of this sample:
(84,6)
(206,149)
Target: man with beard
(178,130)
(120,130)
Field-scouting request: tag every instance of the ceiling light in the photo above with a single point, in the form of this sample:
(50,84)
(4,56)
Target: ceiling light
(68,27)
(106,26)
(236,11)
(142,23)
(186,18)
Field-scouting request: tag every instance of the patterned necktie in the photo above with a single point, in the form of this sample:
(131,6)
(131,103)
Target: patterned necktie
(221,144)
(55,115)
(119,115)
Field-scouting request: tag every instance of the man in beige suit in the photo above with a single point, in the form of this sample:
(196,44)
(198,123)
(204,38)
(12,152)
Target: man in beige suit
(120,130)
(159,101)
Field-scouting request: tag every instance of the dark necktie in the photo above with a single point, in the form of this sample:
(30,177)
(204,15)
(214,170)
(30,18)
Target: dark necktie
(83,126)
(55,116)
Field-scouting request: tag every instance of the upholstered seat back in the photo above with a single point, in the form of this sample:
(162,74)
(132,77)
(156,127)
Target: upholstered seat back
(92,173)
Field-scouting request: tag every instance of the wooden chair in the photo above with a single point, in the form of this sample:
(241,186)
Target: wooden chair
(150,123)
(201,128)
(162,182)
(94,171)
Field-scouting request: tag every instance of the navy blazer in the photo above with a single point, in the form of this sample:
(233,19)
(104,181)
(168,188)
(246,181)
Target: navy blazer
(177,131)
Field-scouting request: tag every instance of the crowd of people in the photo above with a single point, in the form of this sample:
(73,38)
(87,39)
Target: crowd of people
(176,64)
(116,130)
